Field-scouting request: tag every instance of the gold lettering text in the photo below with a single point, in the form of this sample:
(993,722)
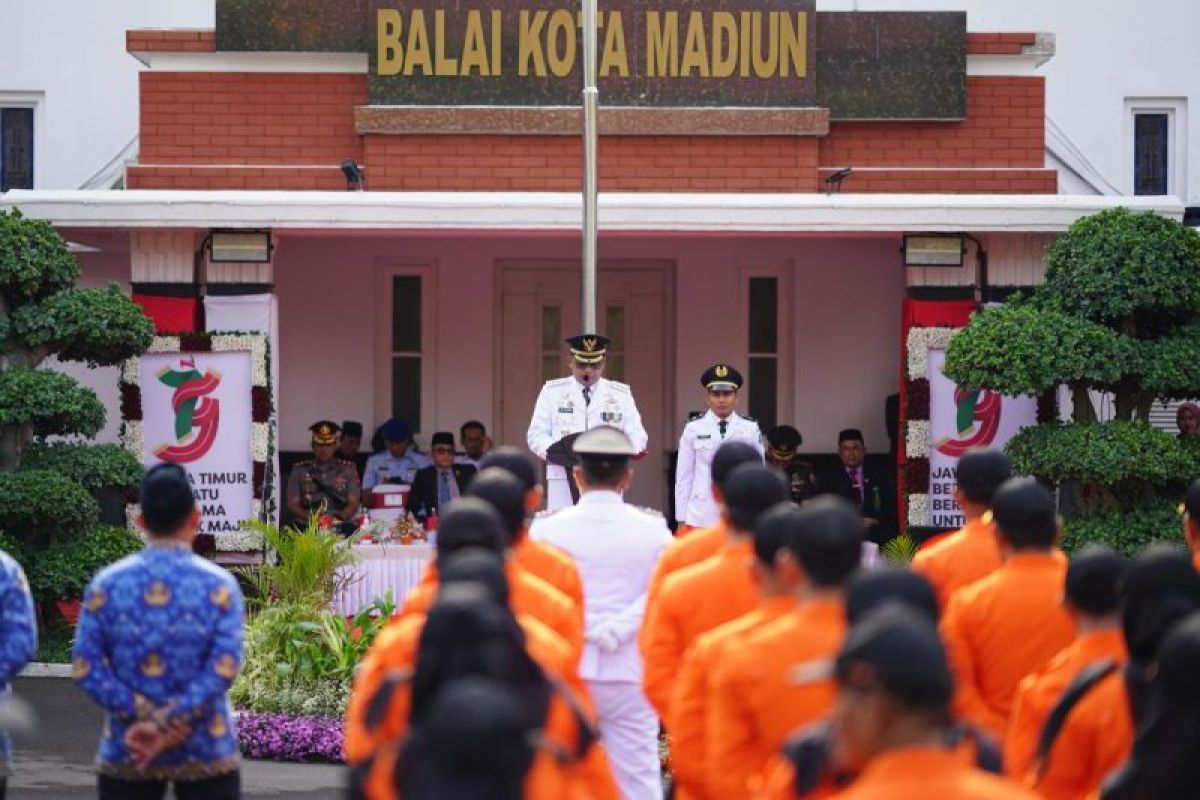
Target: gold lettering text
(724,44)
(662,44)
(560,43)
(793,44)
(529,43)
(474,54)
(418,45)
(389,53)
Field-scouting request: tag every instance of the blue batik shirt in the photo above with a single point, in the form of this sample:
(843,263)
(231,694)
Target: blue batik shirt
(160,637)
(18,636)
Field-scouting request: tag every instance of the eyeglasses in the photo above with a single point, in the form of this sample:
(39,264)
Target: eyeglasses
(444,450)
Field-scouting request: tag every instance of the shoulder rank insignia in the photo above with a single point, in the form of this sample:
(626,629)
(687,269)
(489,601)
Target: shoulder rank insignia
(620,387)
(559,381)
(748,418)
(694,415)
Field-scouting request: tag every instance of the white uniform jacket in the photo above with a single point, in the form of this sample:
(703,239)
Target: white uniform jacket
(561,411)
(701,437)
(615,546)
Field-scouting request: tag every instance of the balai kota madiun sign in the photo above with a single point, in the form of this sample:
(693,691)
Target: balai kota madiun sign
(531,53)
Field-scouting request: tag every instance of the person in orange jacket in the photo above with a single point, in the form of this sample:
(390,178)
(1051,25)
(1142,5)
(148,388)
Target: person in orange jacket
(778,679)
(893,708)
(528,593)
(1003,627)
(804,770)
(1163,763)
(703,596)
(1191,521)
(552,565)
(704,543)
(971,552)
(469,636)
(1094,592)
(687,714)
(1100,712)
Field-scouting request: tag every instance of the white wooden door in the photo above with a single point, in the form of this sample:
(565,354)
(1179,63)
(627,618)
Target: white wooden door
(539,307)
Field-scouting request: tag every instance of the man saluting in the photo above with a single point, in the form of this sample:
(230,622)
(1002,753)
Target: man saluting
(568,406)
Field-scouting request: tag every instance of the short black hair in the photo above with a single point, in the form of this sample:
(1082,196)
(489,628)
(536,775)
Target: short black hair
(1191,500)
(827,540)
(902,648)
(1025,514)
(475,565)
(774,528)
(981,473)
(167,499)
(873,589)
(729,456)
(504,492)
(750,490)
(604,471)
(471,423)
(470,522)
(1096,580)
(513,460)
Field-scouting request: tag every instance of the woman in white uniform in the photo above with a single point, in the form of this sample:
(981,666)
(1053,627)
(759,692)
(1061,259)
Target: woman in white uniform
(695,506)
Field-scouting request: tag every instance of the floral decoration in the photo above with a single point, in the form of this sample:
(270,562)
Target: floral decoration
(916,475)
(917,439)
(131,401)
(917,393)
(918,510)
(920,341)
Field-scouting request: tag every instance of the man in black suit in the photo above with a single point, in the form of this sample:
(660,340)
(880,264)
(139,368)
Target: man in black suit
(870,489)
(437,486)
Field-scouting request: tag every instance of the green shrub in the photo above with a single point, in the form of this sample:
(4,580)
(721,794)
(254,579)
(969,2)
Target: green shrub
(93,466)
(34,259)
(1126,531)
(50,402)
(1109,453)
(39,506)
(308,568)
(63,570)
(99,327)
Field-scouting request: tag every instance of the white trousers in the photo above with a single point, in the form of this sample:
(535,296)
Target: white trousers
(558,493)
(629,731)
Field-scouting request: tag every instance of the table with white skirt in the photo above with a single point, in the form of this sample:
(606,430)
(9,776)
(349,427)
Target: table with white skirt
(381,567)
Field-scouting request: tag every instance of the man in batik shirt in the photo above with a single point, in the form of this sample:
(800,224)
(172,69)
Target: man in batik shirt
(18,641)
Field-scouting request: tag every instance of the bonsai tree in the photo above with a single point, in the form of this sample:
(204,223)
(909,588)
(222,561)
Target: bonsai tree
(1118,316)
(49,490)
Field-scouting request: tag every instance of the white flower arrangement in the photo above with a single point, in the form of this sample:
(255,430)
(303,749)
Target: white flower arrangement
(918,510)
(917,439)
(131,370)
(133,437)
(920,341)
(164,344)
(260,441)
(243,540)
(253,343)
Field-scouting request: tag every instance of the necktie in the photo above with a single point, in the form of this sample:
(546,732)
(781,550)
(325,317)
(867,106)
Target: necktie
(444,491)
(723,424)
(587,396)
(858,489)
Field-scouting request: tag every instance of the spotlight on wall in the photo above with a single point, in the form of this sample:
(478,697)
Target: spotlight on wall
(834,182)
(239,246)
(934,249)
(355,179)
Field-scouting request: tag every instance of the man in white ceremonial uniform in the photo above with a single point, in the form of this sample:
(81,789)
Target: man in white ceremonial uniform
(569,406)
(615,546)
(695,506)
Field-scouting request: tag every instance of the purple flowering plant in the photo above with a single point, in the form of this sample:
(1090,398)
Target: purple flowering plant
(284,737)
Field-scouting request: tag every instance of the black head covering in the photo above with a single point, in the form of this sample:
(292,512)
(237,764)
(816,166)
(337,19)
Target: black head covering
(470,522)
(445,438)
(784,437)
(352,428)
(981,473)
(873,589)
(515,461)
(750,490)
(903,649)
(505,493)
(1096,580)
(850,435)
(475,565)
(1161,587)
(721,378)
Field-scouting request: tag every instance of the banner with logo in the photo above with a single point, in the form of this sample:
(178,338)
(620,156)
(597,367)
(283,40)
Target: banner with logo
(197,413)
(961,419)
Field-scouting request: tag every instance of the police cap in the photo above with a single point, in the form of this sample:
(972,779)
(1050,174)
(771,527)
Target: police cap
(588,348)
(721,378)
(324,432)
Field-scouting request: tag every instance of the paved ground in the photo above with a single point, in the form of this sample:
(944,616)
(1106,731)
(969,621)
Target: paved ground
(56,760)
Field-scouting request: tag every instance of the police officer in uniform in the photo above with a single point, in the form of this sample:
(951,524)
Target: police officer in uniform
(324,482)
(782,443)
(615,546)
(568,406)
(704,433)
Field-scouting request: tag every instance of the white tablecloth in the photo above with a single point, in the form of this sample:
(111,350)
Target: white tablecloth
(381,567)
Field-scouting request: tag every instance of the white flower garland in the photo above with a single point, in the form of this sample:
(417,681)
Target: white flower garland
(260,441)
(164,344)
(918,510)
(917,439)
(918,344)
(133,437)
(255,344)
(131,371)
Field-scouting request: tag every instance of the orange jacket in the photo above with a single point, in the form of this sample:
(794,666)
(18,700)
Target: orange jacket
(528,594)
(1040,691)
(700,544)
(928,773)
(553,566)
(1096,738)
(776,681)
(395,650)
(688,710)
(960,558)
(690,602)
(1000,629)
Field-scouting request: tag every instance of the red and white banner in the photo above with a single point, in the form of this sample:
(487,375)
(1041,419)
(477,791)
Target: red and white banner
(961,419)
(196,412)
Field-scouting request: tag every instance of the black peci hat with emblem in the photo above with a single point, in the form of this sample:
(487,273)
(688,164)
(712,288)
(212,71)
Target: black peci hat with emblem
(588,348)
(721,378)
